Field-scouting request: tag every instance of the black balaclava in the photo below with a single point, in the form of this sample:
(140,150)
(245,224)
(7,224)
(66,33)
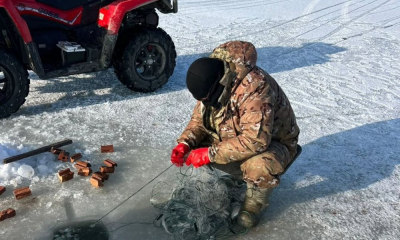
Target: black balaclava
(203,78)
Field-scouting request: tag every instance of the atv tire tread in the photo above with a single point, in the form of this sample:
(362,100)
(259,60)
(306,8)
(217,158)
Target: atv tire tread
(123,62)
(20,77)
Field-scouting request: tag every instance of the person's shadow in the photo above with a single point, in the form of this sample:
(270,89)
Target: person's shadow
(345,161)
(96,88)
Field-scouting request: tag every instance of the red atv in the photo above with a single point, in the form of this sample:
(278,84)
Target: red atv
(63,37)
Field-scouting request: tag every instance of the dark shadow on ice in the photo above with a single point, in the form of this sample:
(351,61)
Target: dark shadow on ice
(97,88)
(87,229)
(347,161)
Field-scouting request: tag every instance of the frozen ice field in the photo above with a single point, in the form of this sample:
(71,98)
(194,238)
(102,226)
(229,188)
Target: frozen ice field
(339,63)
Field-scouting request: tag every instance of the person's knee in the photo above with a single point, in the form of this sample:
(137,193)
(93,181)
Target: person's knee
(256,173)
(230,168)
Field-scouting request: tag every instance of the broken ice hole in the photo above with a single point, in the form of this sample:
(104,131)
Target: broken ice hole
(90,229)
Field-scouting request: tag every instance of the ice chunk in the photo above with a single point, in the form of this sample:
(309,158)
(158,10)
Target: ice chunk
(14,168)
(16,181)
(45,158)
(9,151)
(87,152)
(31,161)
(5,171)
(26,171)
(43,169)
(19,179)
(3,153)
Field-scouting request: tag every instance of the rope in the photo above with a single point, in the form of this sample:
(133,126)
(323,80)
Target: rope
(133,194)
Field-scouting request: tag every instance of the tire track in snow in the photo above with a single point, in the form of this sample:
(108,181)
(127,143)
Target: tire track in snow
(388,10)
(242,5)
(208,4)
(275,26)
(310,7)
(383,25)
(388,5)
(389,19)
(345,11)
(392,25)
(305,15)
(325,36)
(329,21)
(352,20)
(312,20)
(336,30)
(197,3)
(324,15)
(395,3)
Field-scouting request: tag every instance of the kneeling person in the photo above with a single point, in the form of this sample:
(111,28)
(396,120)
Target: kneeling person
(243,124)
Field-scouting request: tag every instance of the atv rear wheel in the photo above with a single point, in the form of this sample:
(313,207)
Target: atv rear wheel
(14,84)
(147,61)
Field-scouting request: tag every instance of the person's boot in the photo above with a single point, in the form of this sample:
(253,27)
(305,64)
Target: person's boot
(257,199)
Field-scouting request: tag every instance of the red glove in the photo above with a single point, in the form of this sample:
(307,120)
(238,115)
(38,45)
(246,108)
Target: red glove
(178,153)
(198,157)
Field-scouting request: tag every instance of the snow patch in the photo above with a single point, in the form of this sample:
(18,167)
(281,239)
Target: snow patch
(33,169)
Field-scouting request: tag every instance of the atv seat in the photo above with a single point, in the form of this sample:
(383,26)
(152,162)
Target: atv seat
(66,5)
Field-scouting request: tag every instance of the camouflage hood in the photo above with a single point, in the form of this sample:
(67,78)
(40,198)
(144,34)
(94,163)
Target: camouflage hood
(240,58)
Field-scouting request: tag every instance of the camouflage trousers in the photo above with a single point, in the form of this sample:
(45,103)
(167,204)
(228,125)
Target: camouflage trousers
(263,170)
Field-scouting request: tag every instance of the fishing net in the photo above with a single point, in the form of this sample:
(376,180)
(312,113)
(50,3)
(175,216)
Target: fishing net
(199,205)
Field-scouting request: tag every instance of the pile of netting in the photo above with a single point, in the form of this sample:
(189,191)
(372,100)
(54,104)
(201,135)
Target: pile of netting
(201,204)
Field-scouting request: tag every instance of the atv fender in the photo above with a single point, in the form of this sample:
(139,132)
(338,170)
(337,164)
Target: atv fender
(111,16)
(19,22)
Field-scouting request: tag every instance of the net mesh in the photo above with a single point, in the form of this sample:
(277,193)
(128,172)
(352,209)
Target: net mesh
(200,204)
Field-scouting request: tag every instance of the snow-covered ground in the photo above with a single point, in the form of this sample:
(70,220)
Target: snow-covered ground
(338,62)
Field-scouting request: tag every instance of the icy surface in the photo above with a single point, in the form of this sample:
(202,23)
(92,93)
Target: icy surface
(338,62)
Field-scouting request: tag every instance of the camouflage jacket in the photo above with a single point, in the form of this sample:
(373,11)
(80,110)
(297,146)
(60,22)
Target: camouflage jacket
(255,111)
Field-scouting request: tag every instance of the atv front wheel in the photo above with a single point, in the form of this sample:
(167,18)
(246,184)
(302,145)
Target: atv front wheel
(14,84)
(148,60)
